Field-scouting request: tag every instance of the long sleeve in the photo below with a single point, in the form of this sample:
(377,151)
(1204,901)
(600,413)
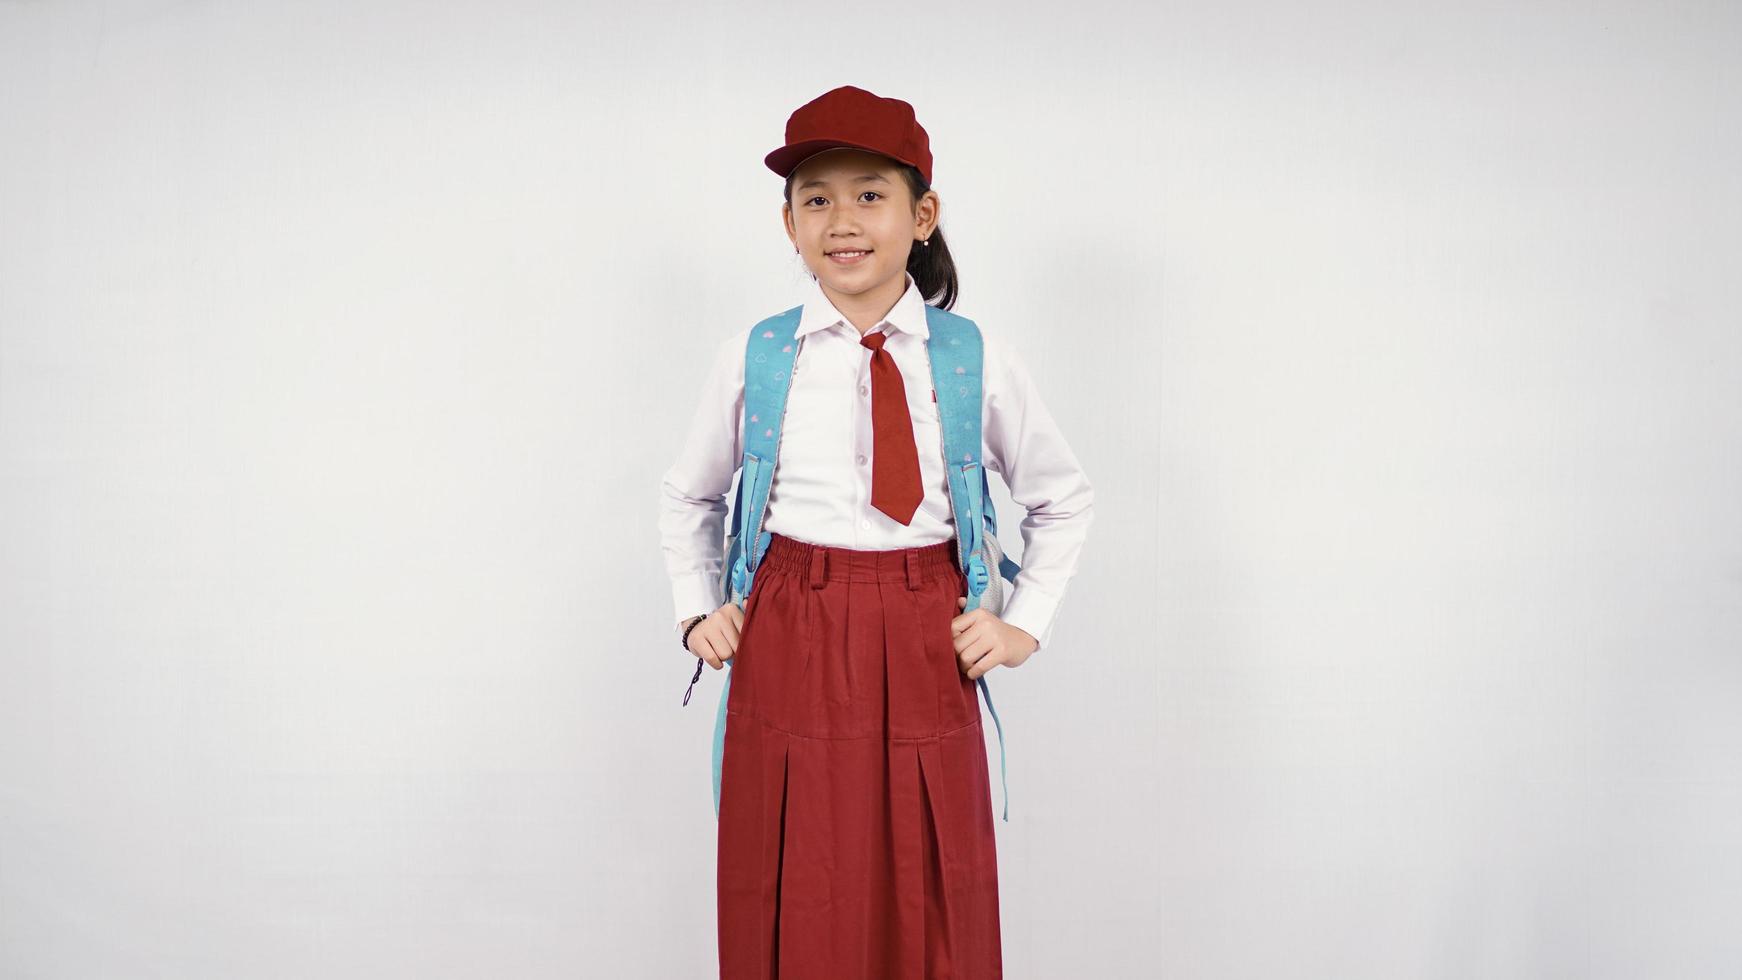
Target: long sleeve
(1025,447)
(692,504)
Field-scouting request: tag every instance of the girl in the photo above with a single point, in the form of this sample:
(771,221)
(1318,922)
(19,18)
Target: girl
(855,817)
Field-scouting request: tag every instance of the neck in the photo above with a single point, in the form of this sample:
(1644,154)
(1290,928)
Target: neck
(867,309)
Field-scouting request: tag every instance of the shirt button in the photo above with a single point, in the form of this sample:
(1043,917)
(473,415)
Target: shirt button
(865,524)
(861,459)
(864,390)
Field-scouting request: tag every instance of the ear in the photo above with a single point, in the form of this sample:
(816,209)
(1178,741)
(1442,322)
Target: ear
(786,219)
(925,214)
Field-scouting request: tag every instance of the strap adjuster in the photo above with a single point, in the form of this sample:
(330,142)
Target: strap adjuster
(977,576)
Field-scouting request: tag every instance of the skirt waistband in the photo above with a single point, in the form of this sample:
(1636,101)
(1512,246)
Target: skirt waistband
(824,563)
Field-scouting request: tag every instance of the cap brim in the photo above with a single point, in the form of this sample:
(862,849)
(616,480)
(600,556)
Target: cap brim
(786,159)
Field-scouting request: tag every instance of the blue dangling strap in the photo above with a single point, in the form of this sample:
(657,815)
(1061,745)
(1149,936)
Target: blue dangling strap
(720,735)
(1003,770)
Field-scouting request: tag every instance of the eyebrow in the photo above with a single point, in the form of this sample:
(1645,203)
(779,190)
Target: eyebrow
(819,182)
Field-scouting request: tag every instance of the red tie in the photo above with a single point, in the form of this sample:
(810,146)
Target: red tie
(895,486)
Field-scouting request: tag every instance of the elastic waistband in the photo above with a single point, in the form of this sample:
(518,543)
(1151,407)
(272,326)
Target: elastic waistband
(824,563)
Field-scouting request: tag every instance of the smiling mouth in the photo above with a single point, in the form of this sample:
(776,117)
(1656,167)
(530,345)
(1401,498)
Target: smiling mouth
(848,256)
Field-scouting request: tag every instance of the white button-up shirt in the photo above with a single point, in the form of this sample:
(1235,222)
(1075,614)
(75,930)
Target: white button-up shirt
(821,491)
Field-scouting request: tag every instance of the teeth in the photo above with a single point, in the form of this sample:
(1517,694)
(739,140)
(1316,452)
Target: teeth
(847,255)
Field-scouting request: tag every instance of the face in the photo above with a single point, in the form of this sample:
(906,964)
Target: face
(847,200)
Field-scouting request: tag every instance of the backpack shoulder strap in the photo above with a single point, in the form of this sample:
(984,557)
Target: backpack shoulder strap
(956,361)
(957,357)
(769,354)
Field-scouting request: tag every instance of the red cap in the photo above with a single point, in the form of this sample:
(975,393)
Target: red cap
(849,116)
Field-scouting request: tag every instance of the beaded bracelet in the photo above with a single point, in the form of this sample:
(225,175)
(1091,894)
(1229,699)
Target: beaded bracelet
(697,621)
(699,661)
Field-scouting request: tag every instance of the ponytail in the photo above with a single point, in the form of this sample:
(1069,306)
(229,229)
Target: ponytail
(932,268)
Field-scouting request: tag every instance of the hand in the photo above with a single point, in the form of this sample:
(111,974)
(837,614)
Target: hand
(984,641)
(715,639)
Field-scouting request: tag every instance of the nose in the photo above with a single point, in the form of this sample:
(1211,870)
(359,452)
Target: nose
(842,224)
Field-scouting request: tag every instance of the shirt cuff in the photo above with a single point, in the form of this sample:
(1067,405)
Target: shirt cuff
(1032,611)
(694,595)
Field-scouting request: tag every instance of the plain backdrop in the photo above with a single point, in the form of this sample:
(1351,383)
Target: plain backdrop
(343,345)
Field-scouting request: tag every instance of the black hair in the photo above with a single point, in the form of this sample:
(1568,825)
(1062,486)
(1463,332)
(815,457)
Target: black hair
(932,268)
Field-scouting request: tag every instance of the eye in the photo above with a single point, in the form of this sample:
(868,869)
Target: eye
(814,199)
(872,193)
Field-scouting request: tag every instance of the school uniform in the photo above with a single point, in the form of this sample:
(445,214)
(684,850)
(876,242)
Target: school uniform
(855,823)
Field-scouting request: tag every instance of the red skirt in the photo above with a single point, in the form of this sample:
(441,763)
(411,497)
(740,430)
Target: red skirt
(855,828)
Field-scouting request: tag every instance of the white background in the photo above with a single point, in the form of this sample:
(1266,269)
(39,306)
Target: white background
(342,346)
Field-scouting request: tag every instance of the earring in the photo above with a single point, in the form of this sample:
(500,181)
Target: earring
(926,242)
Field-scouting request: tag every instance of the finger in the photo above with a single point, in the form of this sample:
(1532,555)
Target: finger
(984,665)
(974,647)
(705,651)
(730,629)
(737,615)
(966,621)
(989,657)
(965,663)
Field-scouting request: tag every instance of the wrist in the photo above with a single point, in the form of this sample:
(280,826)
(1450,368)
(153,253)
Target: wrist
(689,626)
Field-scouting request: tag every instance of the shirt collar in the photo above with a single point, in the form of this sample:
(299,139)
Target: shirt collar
(907,315)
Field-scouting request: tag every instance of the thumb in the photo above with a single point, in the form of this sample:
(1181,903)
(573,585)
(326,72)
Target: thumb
(961,602)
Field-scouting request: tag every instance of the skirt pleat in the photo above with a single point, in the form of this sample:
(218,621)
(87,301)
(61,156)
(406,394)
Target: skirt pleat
(856,829)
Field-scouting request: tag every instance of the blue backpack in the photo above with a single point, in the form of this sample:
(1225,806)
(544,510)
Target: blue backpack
(955,353)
